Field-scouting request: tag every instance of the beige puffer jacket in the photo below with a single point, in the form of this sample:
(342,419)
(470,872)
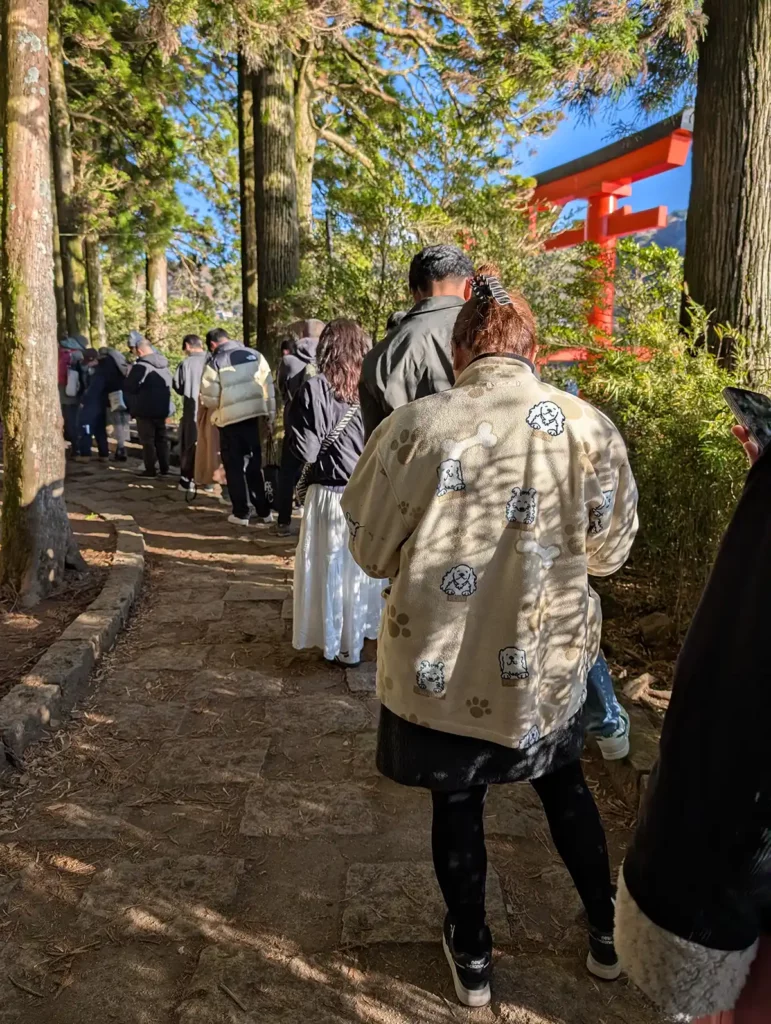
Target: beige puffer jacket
(237,385)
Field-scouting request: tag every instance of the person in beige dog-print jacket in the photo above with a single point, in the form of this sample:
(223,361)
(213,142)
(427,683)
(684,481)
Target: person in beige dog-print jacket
(488,506)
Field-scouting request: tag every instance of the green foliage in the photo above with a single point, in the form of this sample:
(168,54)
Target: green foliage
(689,469)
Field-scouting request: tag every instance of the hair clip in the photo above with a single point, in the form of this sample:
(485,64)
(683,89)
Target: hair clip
(486,287)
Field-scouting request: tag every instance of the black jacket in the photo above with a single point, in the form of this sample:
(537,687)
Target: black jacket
(699,867)
(312,415)
(106,377)
(412,361)
(291,369)
(148,387)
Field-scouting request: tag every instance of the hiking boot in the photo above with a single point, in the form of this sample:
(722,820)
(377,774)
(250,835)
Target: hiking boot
(470,974)
(616,746)
(602,961)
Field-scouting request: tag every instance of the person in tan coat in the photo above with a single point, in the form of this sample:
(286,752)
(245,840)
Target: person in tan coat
(488,506)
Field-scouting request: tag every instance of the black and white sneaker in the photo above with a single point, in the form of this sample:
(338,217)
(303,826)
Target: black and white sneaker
(470,974)
(602,961)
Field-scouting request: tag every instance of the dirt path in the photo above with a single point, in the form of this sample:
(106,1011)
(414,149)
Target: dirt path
(208,842)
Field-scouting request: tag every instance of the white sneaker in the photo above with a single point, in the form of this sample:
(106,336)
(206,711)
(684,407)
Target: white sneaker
(616,746)
(237,522)
(265,519)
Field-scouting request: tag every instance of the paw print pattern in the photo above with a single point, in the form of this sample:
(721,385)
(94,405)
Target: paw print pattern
(478,708)
(397,623)
(405,446)
(404,507)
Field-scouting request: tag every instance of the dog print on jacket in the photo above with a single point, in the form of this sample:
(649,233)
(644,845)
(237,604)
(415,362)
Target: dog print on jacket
(450,471)
(531,737)
(353,526)
(430,678)
(599,516)
(459,582)
(450,477)
(547,417)
(522,508)
(513,662)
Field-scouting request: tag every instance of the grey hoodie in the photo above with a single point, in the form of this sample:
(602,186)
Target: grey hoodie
(291,369)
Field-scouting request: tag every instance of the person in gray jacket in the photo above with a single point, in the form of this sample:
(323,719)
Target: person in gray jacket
(187,382)
(414,360)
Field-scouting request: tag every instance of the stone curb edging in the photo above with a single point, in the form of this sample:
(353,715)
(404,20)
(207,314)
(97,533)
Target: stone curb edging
(59,678)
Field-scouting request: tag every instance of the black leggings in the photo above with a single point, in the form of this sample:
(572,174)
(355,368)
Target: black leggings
(460,857)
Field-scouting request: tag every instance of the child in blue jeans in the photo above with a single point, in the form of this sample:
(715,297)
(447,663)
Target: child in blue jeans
(604,718)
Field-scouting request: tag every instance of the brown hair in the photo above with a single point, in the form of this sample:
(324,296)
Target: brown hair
(484,328)
(342,347)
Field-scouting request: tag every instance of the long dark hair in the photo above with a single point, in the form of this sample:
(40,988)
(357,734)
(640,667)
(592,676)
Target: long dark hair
(342,347)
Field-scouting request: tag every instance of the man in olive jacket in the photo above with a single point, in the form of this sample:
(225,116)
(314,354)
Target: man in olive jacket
(414,359)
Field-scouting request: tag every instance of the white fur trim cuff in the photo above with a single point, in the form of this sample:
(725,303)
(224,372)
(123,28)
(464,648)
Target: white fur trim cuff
(683,978)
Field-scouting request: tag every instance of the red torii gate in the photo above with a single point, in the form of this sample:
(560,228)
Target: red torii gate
(602,178)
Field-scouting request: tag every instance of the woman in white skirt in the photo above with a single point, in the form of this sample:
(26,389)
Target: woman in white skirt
(336,606)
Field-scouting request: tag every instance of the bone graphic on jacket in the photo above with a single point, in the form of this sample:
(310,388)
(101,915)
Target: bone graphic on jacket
(532,547)
(483,436)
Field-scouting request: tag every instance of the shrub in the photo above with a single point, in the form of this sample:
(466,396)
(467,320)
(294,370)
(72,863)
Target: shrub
(689,469)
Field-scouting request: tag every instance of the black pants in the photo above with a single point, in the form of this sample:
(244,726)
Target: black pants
(242,459)
(289,474)
(155,443)
(188,438)
(460,857)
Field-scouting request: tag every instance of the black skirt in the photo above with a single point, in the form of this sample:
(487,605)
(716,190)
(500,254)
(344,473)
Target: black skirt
(414,755)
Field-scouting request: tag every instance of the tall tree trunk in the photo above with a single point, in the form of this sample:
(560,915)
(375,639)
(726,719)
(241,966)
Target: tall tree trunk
(728,237)
(61,306)
(73,260)
(95,293)
(157,295)
(248,211)
(306,137)
(36,536)
(278,235)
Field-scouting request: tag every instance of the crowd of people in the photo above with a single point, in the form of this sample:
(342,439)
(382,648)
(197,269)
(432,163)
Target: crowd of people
(453,505)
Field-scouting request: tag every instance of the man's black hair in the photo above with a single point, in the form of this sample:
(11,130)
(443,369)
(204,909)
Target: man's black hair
(437,262)
(216,335)
(192,341)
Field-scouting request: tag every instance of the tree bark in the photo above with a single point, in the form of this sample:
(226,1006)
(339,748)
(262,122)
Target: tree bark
(36,536)
(73,260)
(95,294)
(278,235)
(157,294)
(728,236)
(61,305)
(306,138)
(248,211)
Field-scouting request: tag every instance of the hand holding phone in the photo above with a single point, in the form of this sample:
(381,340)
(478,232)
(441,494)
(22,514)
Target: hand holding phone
(753,411)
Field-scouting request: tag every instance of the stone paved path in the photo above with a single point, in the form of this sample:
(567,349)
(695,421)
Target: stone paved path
(207,842)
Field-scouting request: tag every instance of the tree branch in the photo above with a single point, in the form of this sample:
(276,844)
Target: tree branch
(415,35)
(347,147)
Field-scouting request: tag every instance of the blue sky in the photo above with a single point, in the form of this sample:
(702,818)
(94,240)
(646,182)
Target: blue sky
(574,138)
